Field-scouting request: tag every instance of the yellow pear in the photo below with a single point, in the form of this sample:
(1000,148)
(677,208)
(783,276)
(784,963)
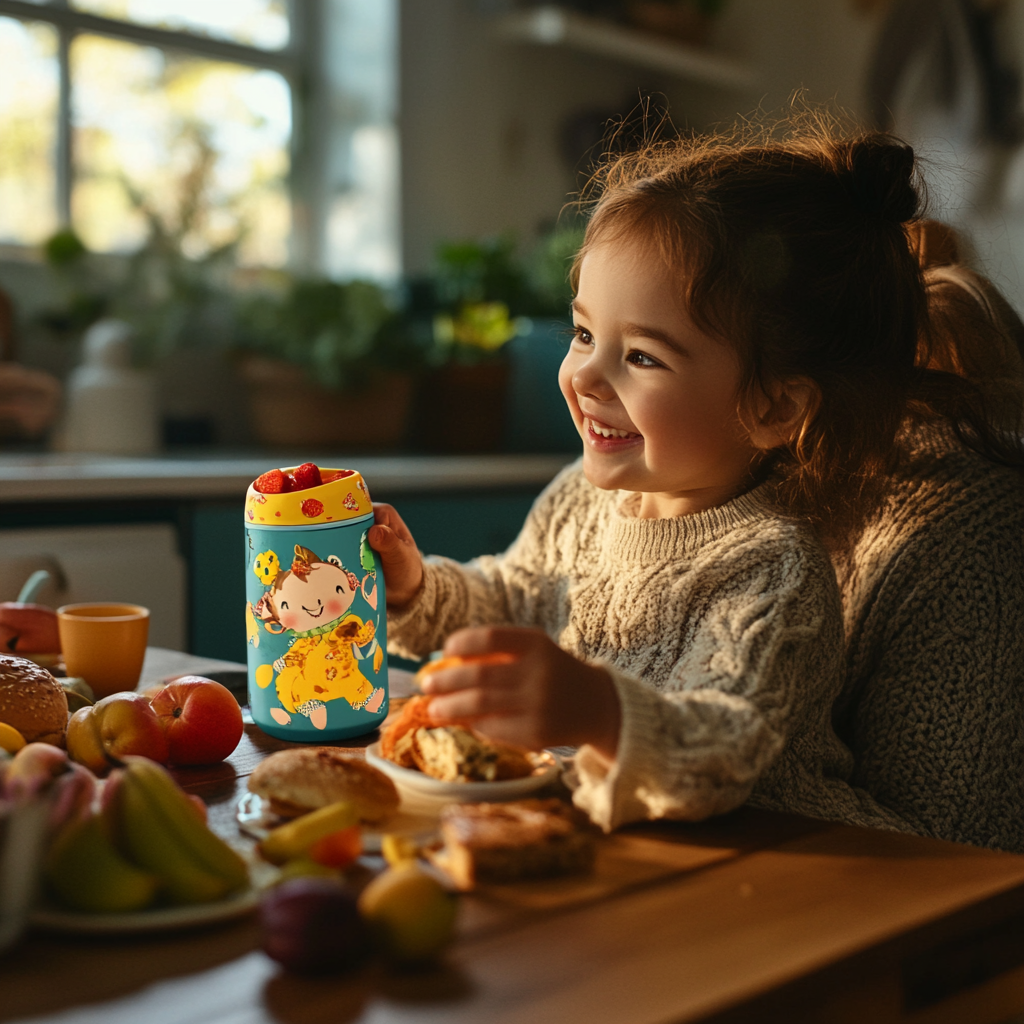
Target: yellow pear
(410,912)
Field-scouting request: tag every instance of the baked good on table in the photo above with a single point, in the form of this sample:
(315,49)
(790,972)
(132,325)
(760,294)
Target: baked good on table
(297,781)
(450,753)
(32,701)
(453,753)
(505,842)
(396,737)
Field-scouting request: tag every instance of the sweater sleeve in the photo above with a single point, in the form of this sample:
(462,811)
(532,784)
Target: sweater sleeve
(517,588)
(763,666)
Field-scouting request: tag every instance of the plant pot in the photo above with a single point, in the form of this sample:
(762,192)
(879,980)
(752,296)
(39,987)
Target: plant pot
(288,410)
(461,407)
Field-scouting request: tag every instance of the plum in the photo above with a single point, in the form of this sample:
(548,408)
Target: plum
(312,926)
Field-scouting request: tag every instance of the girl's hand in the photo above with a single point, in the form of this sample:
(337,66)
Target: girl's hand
(544,698)
(400,559)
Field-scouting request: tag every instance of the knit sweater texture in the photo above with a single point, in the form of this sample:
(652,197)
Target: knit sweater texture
(722,632)
(933,593)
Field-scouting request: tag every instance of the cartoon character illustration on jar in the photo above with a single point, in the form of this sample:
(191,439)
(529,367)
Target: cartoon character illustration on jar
(314,622)
(312,600)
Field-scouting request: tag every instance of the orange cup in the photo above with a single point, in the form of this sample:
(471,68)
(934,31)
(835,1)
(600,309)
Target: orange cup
(104,644)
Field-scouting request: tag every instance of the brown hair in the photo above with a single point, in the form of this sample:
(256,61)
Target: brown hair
(971,331)
(791,246)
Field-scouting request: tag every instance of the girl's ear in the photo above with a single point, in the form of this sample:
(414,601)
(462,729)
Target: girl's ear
(782,410)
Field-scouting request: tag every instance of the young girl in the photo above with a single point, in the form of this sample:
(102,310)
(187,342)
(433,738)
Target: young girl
(746,316)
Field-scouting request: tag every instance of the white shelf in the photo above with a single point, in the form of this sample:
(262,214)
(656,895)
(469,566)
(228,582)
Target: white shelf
(553,26)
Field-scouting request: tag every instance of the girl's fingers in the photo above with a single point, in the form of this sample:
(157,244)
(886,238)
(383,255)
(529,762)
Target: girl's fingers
(386,516)
(472,704)
(485,639)
(470,675)
(384,539)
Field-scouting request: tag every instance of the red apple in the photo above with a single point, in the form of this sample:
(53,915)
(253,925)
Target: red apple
(201,720)
(123,723)
(28,629)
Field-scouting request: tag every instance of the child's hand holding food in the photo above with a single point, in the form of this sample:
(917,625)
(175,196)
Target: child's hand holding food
(540,697)
(400,558)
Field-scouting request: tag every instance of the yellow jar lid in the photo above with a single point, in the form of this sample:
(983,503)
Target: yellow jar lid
(343,495)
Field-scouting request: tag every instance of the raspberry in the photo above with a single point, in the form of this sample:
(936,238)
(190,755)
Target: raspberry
(272,482)
(307,475)
(312,508)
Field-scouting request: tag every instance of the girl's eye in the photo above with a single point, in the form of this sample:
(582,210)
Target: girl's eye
(638,358)
(284,606)
(582,335)
(339,590)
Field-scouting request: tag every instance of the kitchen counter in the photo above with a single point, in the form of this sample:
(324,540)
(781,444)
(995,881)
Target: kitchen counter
(47,477)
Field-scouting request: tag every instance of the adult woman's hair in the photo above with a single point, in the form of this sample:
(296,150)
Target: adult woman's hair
(792,246)
(971,332)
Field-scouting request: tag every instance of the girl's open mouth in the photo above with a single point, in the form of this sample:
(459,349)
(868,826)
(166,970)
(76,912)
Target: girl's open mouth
(608,439)
(314,614)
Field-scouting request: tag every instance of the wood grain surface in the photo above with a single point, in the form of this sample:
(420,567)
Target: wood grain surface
(749,917)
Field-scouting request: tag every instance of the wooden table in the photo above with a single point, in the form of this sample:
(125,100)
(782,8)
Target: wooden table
(750,917)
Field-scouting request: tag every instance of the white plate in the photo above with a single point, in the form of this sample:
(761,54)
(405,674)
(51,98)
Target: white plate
(416,784)
(158,920)
(256,820)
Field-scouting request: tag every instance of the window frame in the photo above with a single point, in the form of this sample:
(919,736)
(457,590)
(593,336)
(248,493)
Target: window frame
(298,63)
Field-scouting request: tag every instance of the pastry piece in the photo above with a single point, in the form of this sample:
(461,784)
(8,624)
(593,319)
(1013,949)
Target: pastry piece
(302,779)
(396,737)
(32,701)
(507,842)
(452,753)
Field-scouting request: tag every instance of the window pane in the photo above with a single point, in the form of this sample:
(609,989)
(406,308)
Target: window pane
(199,146)
(28,131)
(262,23)
(361,236)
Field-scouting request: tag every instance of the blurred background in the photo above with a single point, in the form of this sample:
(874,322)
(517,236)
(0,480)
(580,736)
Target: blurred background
(251,232)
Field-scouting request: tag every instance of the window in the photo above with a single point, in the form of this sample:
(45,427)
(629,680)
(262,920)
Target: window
(266,122)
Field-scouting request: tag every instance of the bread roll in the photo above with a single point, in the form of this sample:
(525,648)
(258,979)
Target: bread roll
(32,701)
(301,780)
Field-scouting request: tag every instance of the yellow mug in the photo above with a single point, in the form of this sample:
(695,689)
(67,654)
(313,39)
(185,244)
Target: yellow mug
(104,643)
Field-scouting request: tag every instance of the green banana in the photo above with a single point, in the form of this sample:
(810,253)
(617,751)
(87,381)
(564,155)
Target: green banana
(160,831)
(84,871)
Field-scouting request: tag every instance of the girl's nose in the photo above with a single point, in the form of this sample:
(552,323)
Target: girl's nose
(590,381)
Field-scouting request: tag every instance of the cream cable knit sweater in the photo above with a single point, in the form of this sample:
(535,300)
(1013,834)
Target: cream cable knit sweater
(722,631)
(933,706)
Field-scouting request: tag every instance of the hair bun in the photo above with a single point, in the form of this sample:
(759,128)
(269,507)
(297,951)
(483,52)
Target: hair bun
(881,177)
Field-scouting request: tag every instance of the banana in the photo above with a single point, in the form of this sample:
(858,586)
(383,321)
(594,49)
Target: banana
(159,830)
(296,837)
(84,871)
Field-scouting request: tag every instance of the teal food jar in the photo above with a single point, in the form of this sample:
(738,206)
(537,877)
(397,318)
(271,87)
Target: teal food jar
(315,609)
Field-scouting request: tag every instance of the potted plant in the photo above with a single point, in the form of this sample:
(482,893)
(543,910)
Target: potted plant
(474,304)
(326,364)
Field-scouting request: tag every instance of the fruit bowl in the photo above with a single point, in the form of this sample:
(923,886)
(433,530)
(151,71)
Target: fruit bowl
(49,917)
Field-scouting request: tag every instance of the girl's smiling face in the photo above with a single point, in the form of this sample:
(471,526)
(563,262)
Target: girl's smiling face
(653,397)
(325,595)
